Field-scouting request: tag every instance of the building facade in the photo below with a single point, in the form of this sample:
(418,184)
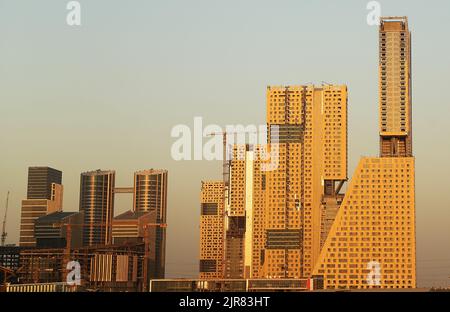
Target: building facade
(150,194)
(44,196)
(308,126)
(371,243)
(129,227)
(40,181)
(212,229)
(33,209)
(52,230)
(244,221)
(395,94)
(97,206)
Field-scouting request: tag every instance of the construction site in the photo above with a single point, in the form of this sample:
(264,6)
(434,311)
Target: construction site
(119,267)
(59,259)
(107,268)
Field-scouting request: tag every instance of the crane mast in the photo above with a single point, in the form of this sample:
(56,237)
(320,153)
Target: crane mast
(4,234)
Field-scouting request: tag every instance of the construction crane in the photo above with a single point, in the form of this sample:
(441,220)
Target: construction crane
(299,200)
(226,179)
(4,234)
(226,163)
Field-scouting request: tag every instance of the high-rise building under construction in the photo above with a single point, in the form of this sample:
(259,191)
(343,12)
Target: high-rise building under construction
(150,195)
(395,88)
(278,211)
(308,125)
(244,212)
(212,229)
(371,243)
(362,239)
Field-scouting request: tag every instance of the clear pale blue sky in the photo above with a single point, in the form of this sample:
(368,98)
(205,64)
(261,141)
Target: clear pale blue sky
(106,94)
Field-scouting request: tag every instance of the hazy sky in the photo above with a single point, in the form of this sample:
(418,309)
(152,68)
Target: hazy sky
(106,94)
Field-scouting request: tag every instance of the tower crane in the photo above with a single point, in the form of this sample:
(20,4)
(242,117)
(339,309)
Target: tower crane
(4,234)
(226,179)
(226,163)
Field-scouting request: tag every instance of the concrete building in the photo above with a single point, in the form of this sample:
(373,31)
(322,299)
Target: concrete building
(308,125)
(244,222)
(133,228)
(97,206)
(44,196)
(33,209)
(371,243)
(395,94)
(40,181)
(277,219)
(129,227)
(51,230)
(212,230)
(150,194)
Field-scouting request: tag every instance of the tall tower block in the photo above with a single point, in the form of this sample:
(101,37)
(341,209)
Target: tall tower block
(372,243)
(244,217)
(308,124)
(97,204)
(150,194)
(395,87)
(212,230)
(44,196)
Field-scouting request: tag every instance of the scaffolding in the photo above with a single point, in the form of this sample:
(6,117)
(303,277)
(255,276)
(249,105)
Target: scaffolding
(102,268)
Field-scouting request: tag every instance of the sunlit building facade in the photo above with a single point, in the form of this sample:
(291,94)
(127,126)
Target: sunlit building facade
(308,124)
(371,243)
(212,229)
(44,196)
(97,205)
(150,195)
(244,222)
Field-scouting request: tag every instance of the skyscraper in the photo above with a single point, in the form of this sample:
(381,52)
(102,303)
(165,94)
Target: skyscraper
(371,243)
(308,124)
(33,209)
(212,229)
(150,194)
(40,180)
(44,196)
(244,221)
(395,88)
(97,204)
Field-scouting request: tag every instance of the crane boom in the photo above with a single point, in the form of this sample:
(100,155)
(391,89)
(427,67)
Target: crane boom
(4,234)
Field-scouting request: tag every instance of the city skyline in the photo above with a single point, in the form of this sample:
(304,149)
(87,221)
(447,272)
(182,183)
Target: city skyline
(362,238)
(429,119)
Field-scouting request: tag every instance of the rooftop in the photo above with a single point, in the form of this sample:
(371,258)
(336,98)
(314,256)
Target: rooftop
(151,171)
(98,172)
(56,216)
(131,215)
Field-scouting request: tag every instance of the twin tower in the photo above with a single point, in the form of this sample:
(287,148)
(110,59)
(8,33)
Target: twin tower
(44,224)
(295,221)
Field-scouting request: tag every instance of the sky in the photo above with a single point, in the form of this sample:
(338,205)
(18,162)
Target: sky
(107,93)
